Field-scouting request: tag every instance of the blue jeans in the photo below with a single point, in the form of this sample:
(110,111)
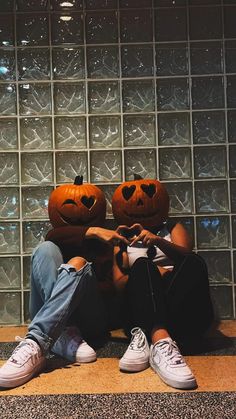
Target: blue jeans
(57,291)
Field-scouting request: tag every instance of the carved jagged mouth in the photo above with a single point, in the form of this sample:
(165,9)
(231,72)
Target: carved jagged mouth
(76,221)
(130,215)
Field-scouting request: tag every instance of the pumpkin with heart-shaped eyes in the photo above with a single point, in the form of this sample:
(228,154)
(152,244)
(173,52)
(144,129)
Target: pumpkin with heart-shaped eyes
(143,201)
(79,204)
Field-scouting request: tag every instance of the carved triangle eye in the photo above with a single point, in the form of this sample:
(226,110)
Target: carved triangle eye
(88,201)
(128,191)
(149,189)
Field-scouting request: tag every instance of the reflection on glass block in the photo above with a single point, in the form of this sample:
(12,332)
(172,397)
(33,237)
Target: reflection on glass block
(213,232)
(232,161)
(171,59)
(175,163)
(206,58)
(188,223)
(35,99)
(36,133)
(101,28)
(108,191)
(137,61)
(232,126)
(233,195)
(9,238)
(7,31)
(207,92)
(176,30)
(10,308)
(35,202)
(69,165)
(139,130)
(68,63)
(230,56)
(36,168)
(100,4)
(7,99)
(210,162)
(7,6)
(104,97)
(23,5)
(222,301)
(32,29)
(67,28)
(137,4)
(172,94)
(9,203)
(9,168)
(205,22)
(10,273)
(136,26)
(211,197)
(8,134)
(105,166)
(102,62)
(231,91)
(34,233)
(104,132)
(181,197)
(66,5)
(69,98)
(219,266)
(7,65)
(138,96)
(173,128)
(70,132)
(209,127)
(33,64)
(234,230)
(26,271)
(169,3)
(140,162)
(229,20)
(26,307)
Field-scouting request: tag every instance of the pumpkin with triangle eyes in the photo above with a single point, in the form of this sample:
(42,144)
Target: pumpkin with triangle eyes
(143,201)
(77,204)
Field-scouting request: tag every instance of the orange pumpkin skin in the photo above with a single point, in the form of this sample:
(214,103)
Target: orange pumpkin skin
(143,201)
(77,204)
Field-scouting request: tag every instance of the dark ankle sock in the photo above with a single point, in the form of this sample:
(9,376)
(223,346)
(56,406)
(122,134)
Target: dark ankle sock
(32,338)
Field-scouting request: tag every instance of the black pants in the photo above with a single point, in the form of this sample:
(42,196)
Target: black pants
(180,301)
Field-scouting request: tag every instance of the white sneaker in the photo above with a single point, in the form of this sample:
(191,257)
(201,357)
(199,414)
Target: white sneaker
(136,356)
(71,346)
(167,361)
(25,362)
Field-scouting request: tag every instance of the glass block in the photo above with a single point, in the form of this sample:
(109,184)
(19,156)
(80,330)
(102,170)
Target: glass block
(67,28)
(104,132)
(137,61)
(10,273)
(106,166)
(104,97)
(175,163)
(233,195)
(7,99)
(210,162)
(140,162)
(234,230)
(26,271)
(66,5)
(9,168)
(69,98)
(169,3)
(174,128)
(138,96)
(232,161)
(232,126)
(7,6)
(9,237)
(8,134)
(26,295)
(229,21)
(211,197)
(70,132)
(207,92)
(206,57)
(172,94)
(23,5)
(68,63)
(69,165)
(136,26)
(101,4)
(108,191)
(139,130)
(103,62)
(230,56)
(9,203)
(136,4)
(203,2)
(32,29)
(205,22)
(35,202)
(35,99)
(6,30)
(171,59)
(209,127)
(181,197)
(213,232)
(36,133)
(219,266)
(10,308)
(176,30)
(101,28)
(7,65)
(234,253)
(33,64)
(231,91)
(222,298)
(34,233)
(36,168)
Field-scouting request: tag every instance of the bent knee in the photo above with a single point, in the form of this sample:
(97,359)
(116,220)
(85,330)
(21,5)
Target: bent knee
(77,262)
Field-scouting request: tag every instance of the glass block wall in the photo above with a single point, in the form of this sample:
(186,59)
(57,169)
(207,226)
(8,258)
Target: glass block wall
(106,88)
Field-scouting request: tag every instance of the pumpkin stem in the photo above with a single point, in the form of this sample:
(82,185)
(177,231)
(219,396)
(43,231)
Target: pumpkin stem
(137,177)
(78,180)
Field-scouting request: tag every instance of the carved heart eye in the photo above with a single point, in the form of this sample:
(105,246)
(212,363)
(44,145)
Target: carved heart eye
(69,201)
(149,189)
(128,191)
(88,201)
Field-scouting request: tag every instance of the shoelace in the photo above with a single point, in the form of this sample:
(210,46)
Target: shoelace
(138,339)
(23,351)
(171,352)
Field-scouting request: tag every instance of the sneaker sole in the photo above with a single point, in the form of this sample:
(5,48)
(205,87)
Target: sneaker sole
(187,385)
(133,367)
(6,383)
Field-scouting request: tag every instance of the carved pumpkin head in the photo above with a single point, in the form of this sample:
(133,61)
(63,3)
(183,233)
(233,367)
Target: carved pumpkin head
(77,204)
(143,201)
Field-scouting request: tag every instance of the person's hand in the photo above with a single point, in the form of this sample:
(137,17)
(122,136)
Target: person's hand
(111,237)
(129,232)
(146,237)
